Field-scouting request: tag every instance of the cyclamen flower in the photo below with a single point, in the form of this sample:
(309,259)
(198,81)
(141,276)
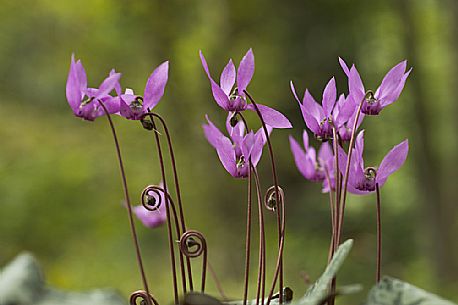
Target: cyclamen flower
(320,119)
(363,180)
(132,106)
(388,92)
(84,101)
(236,151)
(314,168)
(156,218)
(233,99)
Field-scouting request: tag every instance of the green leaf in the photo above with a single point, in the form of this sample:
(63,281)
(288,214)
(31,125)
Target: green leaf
(391,291)
(320,289)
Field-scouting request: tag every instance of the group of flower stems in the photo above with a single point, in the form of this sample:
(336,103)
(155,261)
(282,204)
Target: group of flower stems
(239,153)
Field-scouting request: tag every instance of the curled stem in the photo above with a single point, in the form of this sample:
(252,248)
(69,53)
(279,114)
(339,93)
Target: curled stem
(177,186)
(127,199)
(193,244)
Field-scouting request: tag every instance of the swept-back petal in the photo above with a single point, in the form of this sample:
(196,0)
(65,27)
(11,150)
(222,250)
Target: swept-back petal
(392,161)
(329,97)
(72,89)
(344,67)
(155,86)
(245,71)
(355,85)
(271,116)
(312,107)
(305,139)
(391,80)
(325,153)
(117,85)
(226,154)
(108,85)
(212,133)
(219,95)
(303,164)
(394,94)
(227,78)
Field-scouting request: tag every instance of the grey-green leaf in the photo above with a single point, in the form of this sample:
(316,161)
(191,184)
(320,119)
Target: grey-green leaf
(320,289)
(391,291)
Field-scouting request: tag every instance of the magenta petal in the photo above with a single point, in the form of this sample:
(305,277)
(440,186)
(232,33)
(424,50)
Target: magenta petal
(212,133)
(305,139)
(220,97)
(329,97)
(72,90)
(312,107)
(227,78)
(245,71)
(271,116)
(391,80)
(125,110)
(155,86)
(325,153)
(108,85)
(226,155)
(355,85)
(344,67)
(392,161)
(256,152)
(117,85)
(300,158)
(150,219)
(394,94)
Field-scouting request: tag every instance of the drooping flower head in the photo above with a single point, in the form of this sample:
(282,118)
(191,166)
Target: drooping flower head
(238,149)
(363,180)
(313,167)
(388,92)
(84,101)
(132,106)
(320,119)
(158,216)
(229,93)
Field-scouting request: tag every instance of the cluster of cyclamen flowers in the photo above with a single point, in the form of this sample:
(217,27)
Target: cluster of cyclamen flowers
(336,121)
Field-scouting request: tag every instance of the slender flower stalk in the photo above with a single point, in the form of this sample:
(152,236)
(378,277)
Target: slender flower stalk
(129,206)
(248,235)
(260,291)
(379,235)
(177,187)
(279,205)
(346,175)
(169,225)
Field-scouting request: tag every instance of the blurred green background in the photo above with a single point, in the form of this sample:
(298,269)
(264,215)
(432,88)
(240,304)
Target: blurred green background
(60,191)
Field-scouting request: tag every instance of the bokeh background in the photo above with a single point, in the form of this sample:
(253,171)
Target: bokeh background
(60,192)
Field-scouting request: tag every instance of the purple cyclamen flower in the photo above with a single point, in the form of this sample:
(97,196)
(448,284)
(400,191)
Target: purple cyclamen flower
(84,101)
(236,151)
(156,218)
(320,119)
(132,106)
(313,167)
(363,180)
(388,92)
(233,99)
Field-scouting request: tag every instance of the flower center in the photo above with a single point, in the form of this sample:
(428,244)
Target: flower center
(370,98)
(241,162)
(86,101)
(137,104)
